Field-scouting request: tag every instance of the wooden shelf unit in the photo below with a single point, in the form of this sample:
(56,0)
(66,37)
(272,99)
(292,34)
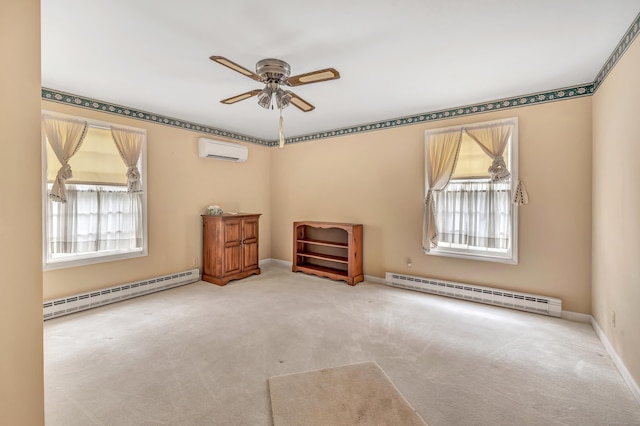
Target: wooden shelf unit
(328,249)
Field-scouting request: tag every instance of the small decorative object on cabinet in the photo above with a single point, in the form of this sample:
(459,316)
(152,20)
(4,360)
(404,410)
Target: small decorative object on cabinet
(215,210)
(328,249)
(229,247)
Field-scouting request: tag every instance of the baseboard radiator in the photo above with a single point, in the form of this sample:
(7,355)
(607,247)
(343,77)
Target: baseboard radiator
(509,299)
(80,302)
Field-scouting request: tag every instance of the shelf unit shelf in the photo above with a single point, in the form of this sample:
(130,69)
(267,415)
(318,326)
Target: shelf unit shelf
(328,257)
(328,249)
(303,267)
(323,243)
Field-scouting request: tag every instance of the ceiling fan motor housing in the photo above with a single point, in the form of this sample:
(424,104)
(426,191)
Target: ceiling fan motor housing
(273,70)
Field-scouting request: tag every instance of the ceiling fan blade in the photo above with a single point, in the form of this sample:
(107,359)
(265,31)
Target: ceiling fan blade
(300,103)
(241,97)
(238,68)
(313,77)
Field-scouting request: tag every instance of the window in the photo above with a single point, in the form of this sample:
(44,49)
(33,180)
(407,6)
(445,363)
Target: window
(98,214)
(472,172)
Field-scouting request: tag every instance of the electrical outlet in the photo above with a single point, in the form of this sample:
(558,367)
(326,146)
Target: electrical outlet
(409,263)
(613,318)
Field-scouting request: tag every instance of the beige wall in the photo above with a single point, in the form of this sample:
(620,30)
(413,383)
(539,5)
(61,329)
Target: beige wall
(616,208)
(21,374)
(376,178)
(180,187)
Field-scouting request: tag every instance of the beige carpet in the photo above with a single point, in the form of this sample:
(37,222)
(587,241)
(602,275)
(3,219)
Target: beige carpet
(356,394)
(202,355)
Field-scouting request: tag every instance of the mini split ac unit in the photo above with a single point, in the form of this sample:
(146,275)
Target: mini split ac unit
(210,148)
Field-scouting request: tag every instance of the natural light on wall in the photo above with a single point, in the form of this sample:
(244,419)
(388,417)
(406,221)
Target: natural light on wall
(99,217)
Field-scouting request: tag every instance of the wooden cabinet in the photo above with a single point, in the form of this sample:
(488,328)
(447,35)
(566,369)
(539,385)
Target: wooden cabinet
(229,247)
(328,249)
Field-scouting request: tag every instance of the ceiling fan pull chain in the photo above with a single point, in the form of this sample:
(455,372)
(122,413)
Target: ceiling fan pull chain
(281,130)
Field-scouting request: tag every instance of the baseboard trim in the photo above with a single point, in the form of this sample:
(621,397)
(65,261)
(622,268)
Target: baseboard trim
(633,386)
(576,317)
(277,261)
(376,280)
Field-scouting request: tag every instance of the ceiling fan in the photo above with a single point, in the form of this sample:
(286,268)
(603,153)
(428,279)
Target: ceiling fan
(275,73)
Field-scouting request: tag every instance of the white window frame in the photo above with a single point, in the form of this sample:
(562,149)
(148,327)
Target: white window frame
(48,263)
(511,256)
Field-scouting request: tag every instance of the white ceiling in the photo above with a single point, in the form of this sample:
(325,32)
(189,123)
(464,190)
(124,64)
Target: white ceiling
(395,58)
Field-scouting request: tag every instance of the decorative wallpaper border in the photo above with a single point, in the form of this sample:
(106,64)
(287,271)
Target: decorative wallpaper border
(507,103)
(88,103)
(617,53)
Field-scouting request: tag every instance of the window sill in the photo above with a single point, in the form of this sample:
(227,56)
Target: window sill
(510,259)
(90,259)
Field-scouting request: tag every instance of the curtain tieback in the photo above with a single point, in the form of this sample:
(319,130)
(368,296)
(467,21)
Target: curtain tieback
(498,169)
(133,179)
(64,173)
(58,190)
(428,198)
(521,197)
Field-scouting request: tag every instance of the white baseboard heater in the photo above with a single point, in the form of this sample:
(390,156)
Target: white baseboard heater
(80,302)
(509,299)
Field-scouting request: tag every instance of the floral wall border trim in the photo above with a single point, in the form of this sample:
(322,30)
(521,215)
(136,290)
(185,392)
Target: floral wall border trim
(88,103)
(617,53)
(507,103)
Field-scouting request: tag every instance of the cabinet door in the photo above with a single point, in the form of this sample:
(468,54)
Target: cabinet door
(232,232)
(232,246)
(250,246)
(232,260)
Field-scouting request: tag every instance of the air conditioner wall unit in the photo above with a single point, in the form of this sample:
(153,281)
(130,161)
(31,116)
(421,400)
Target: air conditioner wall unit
(211,148)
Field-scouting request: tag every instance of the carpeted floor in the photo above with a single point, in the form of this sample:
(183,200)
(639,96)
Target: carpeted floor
(202,355)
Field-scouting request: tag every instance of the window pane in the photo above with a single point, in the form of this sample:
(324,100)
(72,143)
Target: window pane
(95,218)
(475,214)
(101,221)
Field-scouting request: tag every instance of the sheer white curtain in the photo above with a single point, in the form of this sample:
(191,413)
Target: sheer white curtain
(65,137)
(72,225)
(95,218)
(120,220)
(475,213)
(129,145)
(441,153)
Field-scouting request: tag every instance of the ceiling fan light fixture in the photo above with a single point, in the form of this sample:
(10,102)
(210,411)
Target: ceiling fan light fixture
(283,98)
(264,97)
